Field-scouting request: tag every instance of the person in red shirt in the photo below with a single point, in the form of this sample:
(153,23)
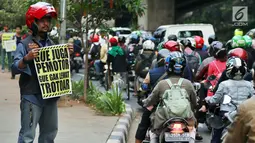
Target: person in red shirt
(217,66)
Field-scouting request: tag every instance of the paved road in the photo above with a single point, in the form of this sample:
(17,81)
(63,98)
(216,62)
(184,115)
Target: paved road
(202,128)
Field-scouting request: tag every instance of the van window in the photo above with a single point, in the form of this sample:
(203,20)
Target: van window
(186,34)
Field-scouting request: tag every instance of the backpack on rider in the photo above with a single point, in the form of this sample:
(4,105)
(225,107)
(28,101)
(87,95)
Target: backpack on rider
(175,100)
(192,65)
(144,64)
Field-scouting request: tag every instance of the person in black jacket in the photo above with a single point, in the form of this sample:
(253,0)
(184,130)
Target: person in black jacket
(117,56)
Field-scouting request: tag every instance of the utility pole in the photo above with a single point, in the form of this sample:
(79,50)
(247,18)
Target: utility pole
(62,22)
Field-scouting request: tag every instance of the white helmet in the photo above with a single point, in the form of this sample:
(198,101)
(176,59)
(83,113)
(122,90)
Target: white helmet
(148,45)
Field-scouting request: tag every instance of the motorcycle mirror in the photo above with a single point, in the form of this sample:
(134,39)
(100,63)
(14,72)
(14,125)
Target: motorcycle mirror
(211,78)
(227,99)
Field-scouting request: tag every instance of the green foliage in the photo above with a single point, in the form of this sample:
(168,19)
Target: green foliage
(111,102)
(78,90)
(107,103)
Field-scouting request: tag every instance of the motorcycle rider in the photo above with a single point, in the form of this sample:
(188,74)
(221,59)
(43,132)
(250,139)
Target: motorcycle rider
(175,64)
(95,47)
(238,89)
(143,62)
(152,78)
(250,51)
(34,109)
(171,37)
(217,66)
(117,58)
(242,129)
(122,41)
(199,44)
(242,54)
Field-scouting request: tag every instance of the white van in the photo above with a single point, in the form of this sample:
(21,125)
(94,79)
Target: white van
(189,30)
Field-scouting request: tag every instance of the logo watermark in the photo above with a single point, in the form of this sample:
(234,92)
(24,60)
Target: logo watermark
(240,15)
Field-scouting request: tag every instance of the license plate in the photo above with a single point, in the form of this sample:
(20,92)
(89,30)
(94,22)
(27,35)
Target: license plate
(77,58)
(177,137)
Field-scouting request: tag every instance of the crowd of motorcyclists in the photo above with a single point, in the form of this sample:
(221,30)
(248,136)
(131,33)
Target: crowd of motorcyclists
(165,71)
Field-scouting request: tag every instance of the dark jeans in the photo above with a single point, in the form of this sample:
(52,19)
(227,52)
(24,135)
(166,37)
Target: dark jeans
(144,125)
(217,133)
(46,117)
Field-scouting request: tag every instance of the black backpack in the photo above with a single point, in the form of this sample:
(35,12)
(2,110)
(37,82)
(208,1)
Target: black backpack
(192,65)
(143,66)
(95,53)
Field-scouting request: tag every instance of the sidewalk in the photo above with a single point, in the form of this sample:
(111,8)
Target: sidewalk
(77,124)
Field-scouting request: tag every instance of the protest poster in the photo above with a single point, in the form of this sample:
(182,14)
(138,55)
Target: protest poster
(6,37)
(10,45)
(53,71)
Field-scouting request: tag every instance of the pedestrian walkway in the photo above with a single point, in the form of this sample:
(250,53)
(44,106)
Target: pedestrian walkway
(77,124)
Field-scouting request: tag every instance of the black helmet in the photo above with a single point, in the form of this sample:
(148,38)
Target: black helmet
(211,39)
(121,39)
(236,68)
(172,37)
(218,50)
(187,43)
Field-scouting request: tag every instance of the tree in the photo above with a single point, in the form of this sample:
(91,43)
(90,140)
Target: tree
(95,13)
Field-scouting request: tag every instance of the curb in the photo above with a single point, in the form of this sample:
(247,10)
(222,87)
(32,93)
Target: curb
(120,131)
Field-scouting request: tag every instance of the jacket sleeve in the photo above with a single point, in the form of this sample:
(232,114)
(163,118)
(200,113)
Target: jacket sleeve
(20,53)
(192,95)
(217,97)
(201,71)
(154,97)
(237,133)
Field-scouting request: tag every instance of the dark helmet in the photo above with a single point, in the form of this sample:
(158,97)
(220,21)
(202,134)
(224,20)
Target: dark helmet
(218,50)
(212,38)
(172,37)
(175,63)
(236,68)
(187,43)
(134,38)
(122,39)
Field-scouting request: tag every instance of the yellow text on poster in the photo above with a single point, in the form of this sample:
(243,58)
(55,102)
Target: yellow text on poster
(53,71)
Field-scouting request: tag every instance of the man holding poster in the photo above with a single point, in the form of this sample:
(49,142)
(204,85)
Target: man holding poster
(31,60)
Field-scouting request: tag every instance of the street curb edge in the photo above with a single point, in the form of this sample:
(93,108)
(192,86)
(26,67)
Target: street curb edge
(120,131)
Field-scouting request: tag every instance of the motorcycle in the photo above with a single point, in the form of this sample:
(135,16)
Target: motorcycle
(175,130)
(92,69)
(76,62)
(116,80)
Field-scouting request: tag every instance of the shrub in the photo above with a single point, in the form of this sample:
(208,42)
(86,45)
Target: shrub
(77,89)
(107,103)
(111,102)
